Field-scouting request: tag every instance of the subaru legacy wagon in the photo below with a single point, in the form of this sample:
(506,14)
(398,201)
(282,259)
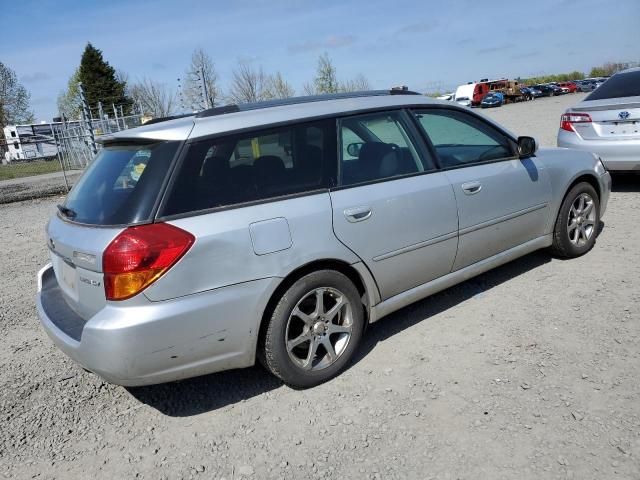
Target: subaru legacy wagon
(279,230)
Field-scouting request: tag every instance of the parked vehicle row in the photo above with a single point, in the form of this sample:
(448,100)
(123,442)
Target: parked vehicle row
(261,231)
(482,93)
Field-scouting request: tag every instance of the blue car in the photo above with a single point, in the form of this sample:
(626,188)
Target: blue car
(535,92)
(492,99)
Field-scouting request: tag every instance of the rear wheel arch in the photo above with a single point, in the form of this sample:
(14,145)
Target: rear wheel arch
(325,264)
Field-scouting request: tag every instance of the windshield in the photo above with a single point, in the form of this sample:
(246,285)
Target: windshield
(625,84)
(121,186)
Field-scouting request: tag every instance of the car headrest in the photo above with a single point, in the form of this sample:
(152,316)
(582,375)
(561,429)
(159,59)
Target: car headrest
(269,165)
(376,160)
(215,168)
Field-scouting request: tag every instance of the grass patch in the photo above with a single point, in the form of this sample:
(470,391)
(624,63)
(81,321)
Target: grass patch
(28,168)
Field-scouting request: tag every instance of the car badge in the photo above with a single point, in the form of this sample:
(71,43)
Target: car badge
(623,115)
(52,243)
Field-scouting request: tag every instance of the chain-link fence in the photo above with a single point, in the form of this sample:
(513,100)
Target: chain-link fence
(45,159)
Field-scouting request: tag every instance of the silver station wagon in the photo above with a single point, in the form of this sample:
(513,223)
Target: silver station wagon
(279,230)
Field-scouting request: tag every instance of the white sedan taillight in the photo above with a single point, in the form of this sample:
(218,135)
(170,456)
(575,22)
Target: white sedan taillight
(568,119)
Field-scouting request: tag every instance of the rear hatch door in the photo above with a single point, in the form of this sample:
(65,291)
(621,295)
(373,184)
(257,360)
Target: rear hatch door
(120,188)
(76,256)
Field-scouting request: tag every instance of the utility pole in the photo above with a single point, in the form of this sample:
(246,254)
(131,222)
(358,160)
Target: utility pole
(182,109)
(204,88)
(86,116)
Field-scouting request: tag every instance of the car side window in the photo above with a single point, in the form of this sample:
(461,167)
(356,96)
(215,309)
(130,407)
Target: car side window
(254,166)
(460,139)
(377,146)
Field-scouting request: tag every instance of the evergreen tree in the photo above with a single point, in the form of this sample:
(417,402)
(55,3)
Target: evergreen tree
(99,81)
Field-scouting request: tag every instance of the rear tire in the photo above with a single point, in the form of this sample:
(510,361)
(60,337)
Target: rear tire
(576,227)
(314,329)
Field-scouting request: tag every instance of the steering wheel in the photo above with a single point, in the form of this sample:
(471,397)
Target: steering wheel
(484,154)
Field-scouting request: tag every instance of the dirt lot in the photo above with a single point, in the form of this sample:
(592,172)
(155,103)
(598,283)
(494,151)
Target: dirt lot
(539,119)
(529,371)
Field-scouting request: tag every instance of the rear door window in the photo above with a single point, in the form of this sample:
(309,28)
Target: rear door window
(121,185)
(620,85)
(264,164)
(378,146)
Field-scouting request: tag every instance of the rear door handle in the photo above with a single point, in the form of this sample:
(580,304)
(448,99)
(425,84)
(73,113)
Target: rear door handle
(357,214)
(471,188)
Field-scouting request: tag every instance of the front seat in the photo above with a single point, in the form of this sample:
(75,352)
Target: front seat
(213,186)
(269,173)
(376,160)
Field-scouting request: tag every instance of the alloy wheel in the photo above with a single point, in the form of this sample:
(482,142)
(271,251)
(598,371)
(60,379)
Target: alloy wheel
(581,223)
(319,328)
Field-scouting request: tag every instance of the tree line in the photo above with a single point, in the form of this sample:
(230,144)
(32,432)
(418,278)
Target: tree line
(604,70)
(248,83)
(199,88)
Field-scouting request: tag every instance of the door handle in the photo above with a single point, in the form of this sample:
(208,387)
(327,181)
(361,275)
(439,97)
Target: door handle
(357,214)
(471,188)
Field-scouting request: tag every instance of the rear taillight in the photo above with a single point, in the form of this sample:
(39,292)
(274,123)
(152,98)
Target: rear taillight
(568,119)
(138,256)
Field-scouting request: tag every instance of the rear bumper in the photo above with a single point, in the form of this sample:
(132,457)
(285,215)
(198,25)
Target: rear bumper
(616,155)
(144,342)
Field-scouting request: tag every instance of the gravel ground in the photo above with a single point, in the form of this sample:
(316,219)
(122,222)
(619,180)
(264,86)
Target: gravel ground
(37,186)
(539,118)
(529,371)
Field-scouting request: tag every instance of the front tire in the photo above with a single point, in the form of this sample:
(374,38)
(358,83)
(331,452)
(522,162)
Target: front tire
(576,227)
(314,329)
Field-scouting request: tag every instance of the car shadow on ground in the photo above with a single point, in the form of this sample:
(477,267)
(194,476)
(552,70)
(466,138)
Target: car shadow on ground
(449,298)
(625,182)
(211,392)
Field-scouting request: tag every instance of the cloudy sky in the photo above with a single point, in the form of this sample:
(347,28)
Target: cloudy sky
(426,44)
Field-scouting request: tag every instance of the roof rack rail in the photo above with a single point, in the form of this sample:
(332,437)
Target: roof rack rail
(166,119)
(211,112)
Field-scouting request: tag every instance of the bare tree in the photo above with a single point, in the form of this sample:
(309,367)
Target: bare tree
(123,78)
(14,99)
(249,84)
(278,87)
(357,84)
(309,88)
(325,80)
(69,100)
(201,77)
(155,98)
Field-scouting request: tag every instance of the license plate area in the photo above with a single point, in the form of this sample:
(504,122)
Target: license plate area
(66,275)
(621,129)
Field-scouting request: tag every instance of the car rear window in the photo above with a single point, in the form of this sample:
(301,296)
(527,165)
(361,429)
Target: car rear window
(254,166)
(121,185)
(620,85)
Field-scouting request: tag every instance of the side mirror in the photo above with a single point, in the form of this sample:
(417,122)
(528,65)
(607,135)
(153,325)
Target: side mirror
(353,149)
(527,146)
